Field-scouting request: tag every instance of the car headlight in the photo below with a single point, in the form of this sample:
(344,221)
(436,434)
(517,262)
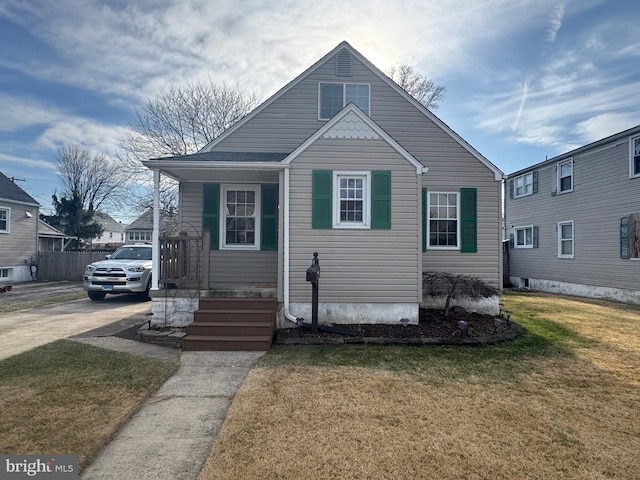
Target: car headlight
(90,268)
(135,269)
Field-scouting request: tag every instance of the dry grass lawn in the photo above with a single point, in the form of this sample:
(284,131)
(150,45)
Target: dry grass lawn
(561,402)
(66,397)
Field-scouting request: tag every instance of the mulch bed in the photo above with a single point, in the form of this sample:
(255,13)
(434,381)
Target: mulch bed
(432,324)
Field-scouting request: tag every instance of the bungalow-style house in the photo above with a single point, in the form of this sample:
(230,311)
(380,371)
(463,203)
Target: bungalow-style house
(574,221)
(141,229)
(343,162)
(19,213)
(113,234)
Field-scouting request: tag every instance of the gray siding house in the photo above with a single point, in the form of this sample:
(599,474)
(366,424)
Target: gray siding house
(343,162)
(18,232)
(574,221)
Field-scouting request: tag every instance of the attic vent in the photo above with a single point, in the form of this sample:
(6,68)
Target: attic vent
(343,64)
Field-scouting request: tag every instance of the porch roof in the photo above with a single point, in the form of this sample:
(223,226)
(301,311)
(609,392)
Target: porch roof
(221,166)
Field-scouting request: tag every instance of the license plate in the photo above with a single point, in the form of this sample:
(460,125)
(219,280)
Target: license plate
(107,287)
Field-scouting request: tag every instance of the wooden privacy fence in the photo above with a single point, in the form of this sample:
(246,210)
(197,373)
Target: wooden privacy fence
(67,265)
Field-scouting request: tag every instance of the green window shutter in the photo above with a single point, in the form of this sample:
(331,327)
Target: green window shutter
(269,217)
(625,243)
(534,234)
(511,189)
(424,219)
(469,220)
(534,187)
(381,199)
(512,240)
(321,199)
(211,212)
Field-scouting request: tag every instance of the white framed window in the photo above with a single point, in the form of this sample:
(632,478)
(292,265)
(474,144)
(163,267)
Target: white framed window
(332,97)
(523,237)
(139,236)
(351,199)
(634,156)
(565,240)
(443,227)
(5,274)
(5,220)
(523,185)
(565,176)
(239,224)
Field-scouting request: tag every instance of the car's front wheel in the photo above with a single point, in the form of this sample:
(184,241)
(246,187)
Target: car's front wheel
(96,295)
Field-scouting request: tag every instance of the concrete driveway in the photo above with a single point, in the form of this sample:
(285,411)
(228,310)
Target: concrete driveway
(24,330)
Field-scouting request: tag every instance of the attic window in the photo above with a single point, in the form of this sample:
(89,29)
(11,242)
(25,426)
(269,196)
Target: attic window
(334,97)
(343,64)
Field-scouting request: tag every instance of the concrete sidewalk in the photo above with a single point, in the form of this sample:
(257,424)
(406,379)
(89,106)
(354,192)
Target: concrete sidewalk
(170,437)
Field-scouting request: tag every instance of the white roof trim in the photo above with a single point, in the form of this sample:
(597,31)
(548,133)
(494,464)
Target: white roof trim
(349,113)
(498,174)
(190,165)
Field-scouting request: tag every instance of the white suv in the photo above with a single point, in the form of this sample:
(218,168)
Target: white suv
(128,270)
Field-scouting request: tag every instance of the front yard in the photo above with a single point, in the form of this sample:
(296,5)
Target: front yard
(559,402)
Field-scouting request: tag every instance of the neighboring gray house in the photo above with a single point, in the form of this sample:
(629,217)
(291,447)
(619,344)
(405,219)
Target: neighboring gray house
(141,229)
(18,232)
(113,235)
(343,162)
(574,221)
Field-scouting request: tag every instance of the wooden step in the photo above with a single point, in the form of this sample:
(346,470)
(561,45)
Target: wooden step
(233,303)
(255,343)
(225,315)
(231,328)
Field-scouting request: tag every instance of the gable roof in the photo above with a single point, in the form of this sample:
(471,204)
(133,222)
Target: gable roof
(498,174)
(351,122)
(145,222)
(577,151)
(109,224)
(46,230)
(11,192)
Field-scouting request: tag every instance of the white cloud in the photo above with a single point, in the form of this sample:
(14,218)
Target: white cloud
(88,134)
(555,23)
(27,162)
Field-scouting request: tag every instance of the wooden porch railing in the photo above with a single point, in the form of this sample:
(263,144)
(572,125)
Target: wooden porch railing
(184,262)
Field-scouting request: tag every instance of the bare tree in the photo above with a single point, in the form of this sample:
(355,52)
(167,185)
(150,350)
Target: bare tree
(423,89)
(180,120)
(93,178)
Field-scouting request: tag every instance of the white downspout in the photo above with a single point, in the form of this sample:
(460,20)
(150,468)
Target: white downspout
(155,238)
(286,232)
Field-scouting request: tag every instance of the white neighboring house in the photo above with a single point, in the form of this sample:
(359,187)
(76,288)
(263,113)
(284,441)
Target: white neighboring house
(113,235)
(18,232)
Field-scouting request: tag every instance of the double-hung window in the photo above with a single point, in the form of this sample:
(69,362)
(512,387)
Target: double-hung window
(565,176)
(241,209)
(334,96)
(352,198)
(139,236)
(565,239)
(523,237)
(634,156)
(5,217)
(443,220)
(523,185)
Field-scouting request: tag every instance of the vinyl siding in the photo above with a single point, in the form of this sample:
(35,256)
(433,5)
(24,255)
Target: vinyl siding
(226,266)
(290,120)
(21,242)
(602,194)
(357,265)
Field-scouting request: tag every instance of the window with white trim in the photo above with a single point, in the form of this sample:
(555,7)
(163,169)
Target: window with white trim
(5,219)
(523,237)
(565,240)
(239,227)
(5,273)
(334,96)
(565,176)
(351,199)
(443,225)
(523,185)
(634,156)
(139,236)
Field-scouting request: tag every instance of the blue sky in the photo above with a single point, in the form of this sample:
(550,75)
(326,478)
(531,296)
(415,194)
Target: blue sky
(526,79)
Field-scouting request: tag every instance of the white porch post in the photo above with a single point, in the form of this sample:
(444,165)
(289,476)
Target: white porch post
(155,257)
